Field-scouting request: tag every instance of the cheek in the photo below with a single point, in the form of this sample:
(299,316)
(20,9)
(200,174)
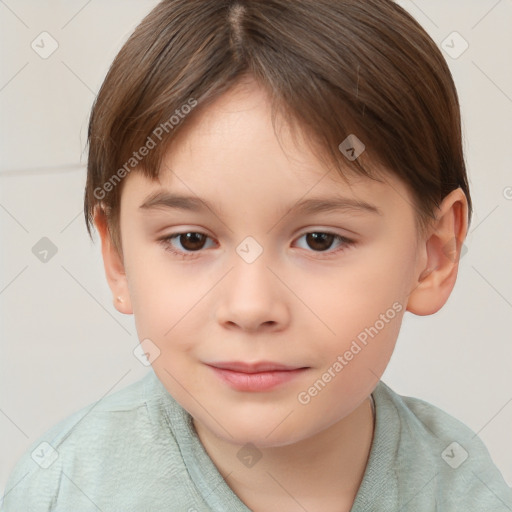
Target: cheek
(352,368)
(360,309)
(353,296)
(380,276)
(157,296)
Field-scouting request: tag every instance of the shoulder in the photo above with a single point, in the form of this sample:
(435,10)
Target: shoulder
(438,458)
(90,448)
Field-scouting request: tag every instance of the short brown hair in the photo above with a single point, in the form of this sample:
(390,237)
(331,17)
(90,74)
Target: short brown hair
(331,67)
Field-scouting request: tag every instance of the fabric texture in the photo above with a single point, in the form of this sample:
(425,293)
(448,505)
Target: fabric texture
(137,450)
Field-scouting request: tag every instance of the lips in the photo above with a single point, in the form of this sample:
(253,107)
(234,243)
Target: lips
(255,377)
(263,366)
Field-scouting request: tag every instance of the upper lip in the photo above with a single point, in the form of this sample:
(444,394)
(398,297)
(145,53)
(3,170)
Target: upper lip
(262,366)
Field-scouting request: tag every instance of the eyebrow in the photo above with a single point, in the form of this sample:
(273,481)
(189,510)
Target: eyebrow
(167,200)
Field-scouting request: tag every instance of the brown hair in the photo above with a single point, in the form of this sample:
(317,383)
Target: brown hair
(331,67)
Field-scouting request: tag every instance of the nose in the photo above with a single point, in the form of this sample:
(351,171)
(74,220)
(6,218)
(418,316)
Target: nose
(253,298)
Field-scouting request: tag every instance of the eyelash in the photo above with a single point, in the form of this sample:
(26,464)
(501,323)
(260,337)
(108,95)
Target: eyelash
(166,242)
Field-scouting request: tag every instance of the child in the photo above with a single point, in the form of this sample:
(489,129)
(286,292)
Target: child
(266,129)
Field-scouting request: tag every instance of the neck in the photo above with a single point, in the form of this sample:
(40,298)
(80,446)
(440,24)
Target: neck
(323,470)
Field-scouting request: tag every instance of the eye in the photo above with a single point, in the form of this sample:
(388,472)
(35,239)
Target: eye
(321,241)
(192,242)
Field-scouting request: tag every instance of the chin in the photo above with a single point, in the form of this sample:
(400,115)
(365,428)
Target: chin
(259,433)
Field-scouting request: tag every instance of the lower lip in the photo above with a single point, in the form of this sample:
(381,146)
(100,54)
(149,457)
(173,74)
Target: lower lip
(261,381)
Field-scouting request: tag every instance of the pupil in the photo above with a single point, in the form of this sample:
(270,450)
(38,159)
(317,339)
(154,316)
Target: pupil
(314,238)
(191,239)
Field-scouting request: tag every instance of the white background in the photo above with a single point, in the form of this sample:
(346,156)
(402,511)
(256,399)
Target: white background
(64,346)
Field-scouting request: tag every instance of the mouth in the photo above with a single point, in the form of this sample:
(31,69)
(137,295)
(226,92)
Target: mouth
(255,377)
(263,366)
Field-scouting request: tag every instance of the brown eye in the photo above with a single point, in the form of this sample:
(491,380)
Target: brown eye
(192,241)
(190,244)
(186,244)
(324,242)
(320,241)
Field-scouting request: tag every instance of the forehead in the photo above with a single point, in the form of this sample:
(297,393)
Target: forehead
(230,152)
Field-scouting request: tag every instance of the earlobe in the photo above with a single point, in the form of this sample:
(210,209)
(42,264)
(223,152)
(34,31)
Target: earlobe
(441,249)
(113,264)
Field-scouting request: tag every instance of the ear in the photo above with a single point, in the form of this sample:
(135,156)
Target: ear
(439,256)
(114,266)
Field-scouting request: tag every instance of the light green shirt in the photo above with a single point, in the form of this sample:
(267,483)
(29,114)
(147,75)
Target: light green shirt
(137,450)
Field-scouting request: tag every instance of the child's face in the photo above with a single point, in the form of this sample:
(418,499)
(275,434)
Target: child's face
(301,303)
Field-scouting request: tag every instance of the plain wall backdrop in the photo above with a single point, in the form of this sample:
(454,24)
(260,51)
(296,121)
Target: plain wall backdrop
(63,344)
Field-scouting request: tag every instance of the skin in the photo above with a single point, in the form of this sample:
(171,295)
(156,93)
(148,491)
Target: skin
(298,303)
